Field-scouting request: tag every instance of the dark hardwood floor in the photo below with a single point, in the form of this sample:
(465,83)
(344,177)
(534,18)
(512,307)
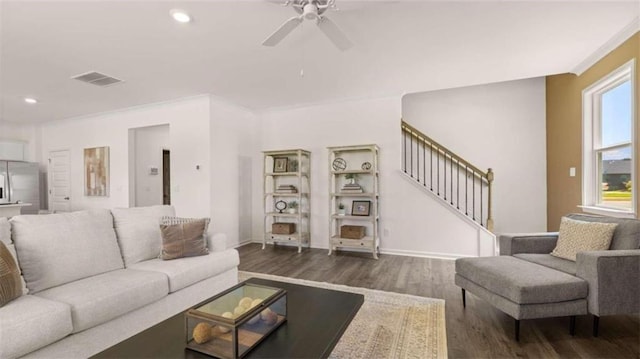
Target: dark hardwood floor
(479,331)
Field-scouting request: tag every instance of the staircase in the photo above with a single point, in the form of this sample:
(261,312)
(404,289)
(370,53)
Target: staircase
(454,181)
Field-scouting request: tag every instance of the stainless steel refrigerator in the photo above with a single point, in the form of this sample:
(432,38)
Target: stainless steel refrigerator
(20,182)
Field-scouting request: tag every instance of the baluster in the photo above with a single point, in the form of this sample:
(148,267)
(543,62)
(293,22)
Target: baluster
(411,149)
(451,178)
(481,201)
(431,164)
(438,170)
(458,183)
(444,169)
(418,159)
(466,190)
(473,193)
(404,151)
(424,164)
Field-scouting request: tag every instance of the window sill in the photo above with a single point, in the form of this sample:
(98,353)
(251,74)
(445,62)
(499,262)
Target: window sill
(608,212)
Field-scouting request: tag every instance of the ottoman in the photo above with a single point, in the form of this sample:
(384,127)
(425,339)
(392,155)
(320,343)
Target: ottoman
(522,289)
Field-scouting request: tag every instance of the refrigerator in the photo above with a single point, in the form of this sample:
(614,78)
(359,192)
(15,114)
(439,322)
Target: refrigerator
(20,182)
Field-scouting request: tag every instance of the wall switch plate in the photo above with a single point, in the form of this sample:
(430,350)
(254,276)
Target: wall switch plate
(572,172)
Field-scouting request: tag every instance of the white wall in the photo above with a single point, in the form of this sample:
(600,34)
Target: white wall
(149,144)
(499,126)
(234,143)
(11,132)
(189,143)
(410,221)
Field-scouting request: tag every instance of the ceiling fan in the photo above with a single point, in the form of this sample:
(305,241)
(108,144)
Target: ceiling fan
(312,10)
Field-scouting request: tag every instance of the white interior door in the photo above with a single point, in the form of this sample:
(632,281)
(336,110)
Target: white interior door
(59,181)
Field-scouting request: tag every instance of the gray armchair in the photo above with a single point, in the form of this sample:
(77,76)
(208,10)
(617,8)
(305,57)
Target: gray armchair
(613,276)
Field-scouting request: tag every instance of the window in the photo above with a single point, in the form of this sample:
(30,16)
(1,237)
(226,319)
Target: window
(608,148)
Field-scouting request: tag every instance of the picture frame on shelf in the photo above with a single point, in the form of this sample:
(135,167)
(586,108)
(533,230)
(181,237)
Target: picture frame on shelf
(280,164)
(292,165)
(361,208)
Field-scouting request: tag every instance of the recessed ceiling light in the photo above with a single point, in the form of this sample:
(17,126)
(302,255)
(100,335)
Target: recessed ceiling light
(180,16)
(30,100)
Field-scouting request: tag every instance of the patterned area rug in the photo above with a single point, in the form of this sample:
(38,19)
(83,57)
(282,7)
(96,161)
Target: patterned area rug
(388,325)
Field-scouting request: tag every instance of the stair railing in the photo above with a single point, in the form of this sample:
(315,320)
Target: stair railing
(447,175)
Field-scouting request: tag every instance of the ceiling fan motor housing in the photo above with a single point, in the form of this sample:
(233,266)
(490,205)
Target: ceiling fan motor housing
(310,9)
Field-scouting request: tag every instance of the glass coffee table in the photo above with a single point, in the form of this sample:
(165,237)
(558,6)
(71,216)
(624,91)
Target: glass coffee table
(316,318)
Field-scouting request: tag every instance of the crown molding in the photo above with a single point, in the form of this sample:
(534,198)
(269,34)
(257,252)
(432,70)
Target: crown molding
(617,40)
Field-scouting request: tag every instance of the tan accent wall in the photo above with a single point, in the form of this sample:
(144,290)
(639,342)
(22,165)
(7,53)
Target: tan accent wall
(564,130)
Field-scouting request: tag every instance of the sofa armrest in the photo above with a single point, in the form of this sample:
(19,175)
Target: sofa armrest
(542,243)
(614,280)
(217,242)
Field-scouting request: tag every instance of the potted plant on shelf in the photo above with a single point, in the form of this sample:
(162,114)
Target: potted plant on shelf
(351,177)
(342,209)
(292,207)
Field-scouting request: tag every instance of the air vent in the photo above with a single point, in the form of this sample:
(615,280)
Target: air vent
(97,79)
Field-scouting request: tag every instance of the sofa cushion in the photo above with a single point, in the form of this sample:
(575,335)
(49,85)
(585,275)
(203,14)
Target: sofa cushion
(5,237)
(183,239)
(579,236)
(29,323)
(10,285)
(550,261)
(60,248)
(100,298)
(184,272)
(626,235)
(520,281)
(138,231)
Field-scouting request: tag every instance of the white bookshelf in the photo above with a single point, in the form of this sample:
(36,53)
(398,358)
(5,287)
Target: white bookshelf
(299,177)
(353,161)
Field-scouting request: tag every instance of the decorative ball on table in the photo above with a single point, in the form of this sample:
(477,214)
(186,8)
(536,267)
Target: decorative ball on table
(238,311)
(202,333)
(245,302)
(222,329)
(254,320)
(269,316)
(256,302)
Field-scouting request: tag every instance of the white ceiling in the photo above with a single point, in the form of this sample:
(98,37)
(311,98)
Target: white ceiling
(400,47)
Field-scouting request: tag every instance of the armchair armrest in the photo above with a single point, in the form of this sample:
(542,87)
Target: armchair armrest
(542,243)
(216,242)
(614,280)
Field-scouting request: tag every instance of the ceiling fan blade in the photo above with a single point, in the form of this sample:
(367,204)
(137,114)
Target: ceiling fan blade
(333,32)
(283,31)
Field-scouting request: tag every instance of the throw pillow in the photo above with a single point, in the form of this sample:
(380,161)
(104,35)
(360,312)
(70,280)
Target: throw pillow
(10,284)
(185,239)
(578,236)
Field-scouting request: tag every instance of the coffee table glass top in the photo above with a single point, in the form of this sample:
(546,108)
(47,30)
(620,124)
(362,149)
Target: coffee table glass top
(246,296)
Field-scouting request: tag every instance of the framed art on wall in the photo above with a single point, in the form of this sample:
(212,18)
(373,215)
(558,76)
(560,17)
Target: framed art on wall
(96,171)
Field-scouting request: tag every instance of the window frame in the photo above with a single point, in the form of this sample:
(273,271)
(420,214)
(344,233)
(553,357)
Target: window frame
(592,144)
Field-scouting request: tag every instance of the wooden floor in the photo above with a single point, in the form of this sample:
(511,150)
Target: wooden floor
(479,331)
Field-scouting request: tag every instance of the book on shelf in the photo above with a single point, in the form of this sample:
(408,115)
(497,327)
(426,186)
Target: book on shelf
(286,188)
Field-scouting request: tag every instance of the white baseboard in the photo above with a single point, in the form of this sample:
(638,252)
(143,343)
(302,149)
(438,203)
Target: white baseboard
(394,252)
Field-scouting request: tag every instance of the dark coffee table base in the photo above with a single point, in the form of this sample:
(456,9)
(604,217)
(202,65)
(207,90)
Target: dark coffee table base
(316,320)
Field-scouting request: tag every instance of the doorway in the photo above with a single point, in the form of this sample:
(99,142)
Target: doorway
(148,171)
(166,177)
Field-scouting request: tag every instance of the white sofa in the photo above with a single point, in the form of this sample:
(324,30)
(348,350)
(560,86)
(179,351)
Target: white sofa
(93,279)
